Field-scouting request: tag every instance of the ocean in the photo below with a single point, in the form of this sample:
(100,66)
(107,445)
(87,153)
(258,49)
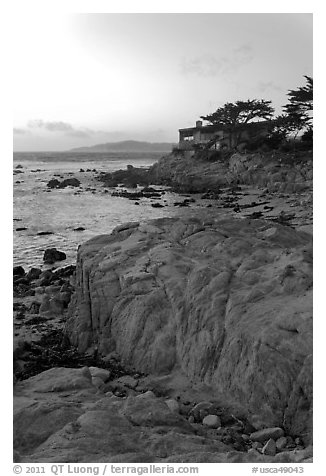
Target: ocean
(38,209)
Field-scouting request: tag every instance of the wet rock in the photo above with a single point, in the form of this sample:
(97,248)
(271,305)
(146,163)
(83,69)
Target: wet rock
(44,233)
(70,182)
(65,272)
(18,271)
(33,273)
(53,183)
(45,278)
(266,434)
(51,255)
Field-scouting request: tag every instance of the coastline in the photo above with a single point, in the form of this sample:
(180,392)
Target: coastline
(243,203)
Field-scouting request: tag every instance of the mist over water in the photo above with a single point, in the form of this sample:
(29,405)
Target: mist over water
(60,211)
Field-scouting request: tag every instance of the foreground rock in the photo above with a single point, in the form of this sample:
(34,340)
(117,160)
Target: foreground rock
(223,302)
(61,416)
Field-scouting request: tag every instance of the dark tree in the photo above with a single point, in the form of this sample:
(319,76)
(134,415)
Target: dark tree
(301,98)
(298,110)
(234,117)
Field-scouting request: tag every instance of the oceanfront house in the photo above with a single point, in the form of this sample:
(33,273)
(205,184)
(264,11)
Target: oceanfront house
(214,136)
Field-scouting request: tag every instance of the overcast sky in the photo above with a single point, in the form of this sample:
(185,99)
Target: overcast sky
(83,79)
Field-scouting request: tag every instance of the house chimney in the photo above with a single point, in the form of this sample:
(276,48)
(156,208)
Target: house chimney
(199,123)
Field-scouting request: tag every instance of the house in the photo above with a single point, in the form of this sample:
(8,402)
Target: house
(214,136)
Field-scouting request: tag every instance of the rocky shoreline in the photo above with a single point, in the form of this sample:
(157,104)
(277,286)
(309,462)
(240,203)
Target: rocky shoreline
(185,339)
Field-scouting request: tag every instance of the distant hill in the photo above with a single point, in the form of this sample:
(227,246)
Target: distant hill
(127,146)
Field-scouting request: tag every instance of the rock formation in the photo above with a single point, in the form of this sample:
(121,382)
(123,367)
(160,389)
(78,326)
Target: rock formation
(225,302)
(61,416)
(279,172)
(203,324)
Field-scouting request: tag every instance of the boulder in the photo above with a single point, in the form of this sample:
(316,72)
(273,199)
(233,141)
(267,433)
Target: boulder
(70,182)
(51,255)
(209,299)
(33,273)
(53,183)
(19,271)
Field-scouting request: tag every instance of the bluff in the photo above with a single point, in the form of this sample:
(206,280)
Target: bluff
(222,302)
(280,172)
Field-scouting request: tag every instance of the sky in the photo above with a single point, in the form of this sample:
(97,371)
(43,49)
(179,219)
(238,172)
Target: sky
(82,79)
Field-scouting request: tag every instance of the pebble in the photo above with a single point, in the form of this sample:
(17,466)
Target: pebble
(281,443)
(269,448)
(173,405)
(213,421)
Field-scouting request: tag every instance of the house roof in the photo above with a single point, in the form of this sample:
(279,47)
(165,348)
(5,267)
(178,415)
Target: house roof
(220,127)
(209,128)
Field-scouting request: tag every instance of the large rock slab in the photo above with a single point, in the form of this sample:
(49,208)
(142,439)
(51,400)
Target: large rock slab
(226,302)
(83,425)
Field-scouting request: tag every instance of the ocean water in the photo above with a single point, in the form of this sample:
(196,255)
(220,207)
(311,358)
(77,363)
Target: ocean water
(40,209)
